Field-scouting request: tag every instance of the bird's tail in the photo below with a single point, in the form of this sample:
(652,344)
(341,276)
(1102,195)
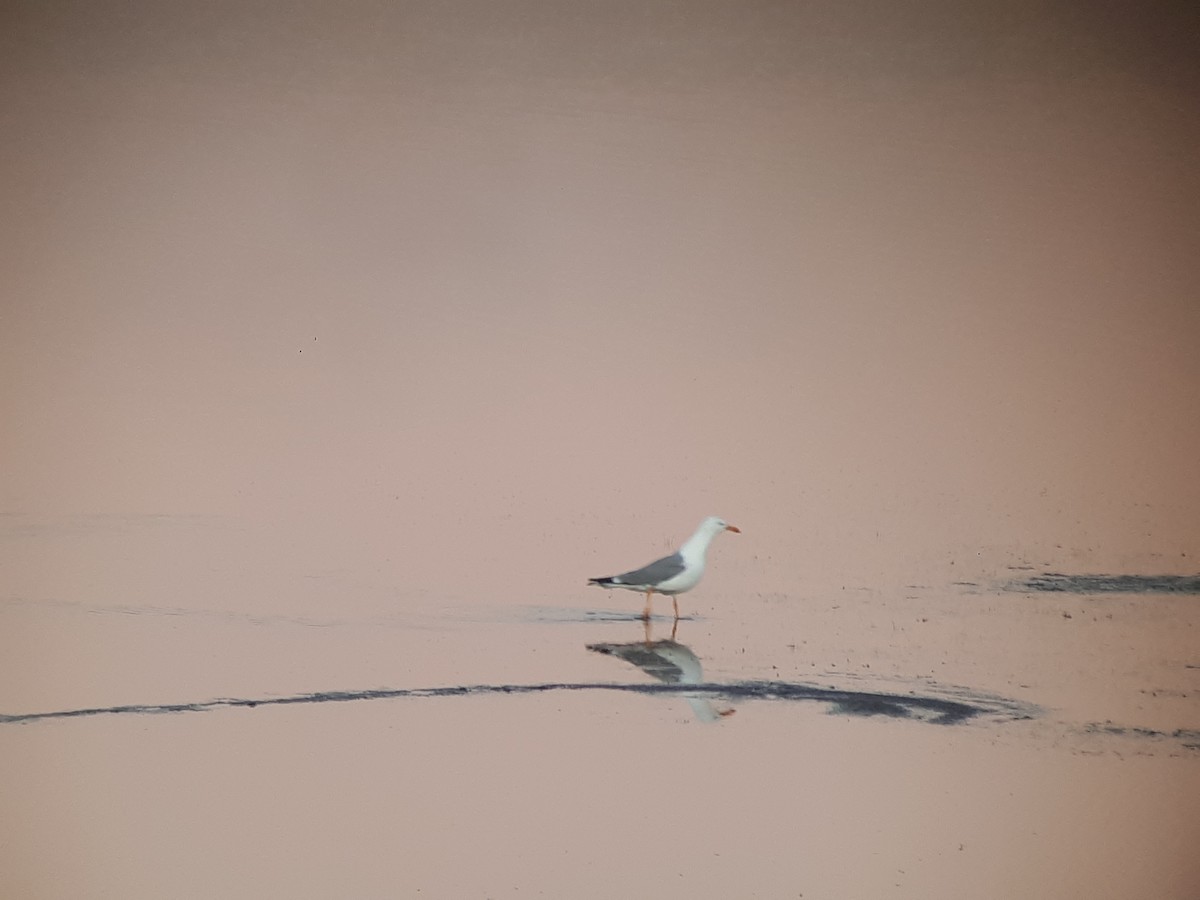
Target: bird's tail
(604,582)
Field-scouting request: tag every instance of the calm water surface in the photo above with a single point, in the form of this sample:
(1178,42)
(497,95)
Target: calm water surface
(341,346)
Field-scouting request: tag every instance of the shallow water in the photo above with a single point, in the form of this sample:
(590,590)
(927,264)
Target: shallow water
(917,742)
(340,348)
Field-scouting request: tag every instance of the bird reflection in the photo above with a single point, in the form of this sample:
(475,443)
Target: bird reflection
(671,663)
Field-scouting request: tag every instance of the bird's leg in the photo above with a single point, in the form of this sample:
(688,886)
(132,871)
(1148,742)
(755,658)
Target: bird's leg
(675,600)
(646,611)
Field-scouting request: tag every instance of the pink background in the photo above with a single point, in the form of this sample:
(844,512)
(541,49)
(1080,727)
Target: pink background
(341,343)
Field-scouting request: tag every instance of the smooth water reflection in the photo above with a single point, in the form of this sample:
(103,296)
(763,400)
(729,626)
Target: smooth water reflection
(670,663)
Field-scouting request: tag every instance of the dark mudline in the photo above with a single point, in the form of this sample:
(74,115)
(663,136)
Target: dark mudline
(934,710)
(1057,582)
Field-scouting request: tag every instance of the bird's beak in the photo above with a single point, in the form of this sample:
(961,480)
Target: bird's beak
(733,528)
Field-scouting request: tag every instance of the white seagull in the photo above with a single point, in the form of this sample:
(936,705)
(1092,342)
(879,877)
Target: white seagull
(674,574)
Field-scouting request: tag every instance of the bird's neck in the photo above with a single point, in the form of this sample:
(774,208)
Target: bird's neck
(695,546)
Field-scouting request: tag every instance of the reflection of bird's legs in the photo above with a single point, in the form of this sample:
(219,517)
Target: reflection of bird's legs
(646,611)
(674,628)
(646,628)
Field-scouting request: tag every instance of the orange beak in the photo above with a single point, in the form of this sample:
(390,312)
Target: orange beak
(733,528)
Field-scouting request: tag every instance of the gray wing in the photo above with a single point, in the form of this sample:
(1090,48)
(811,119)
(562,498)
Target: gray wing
(655,573)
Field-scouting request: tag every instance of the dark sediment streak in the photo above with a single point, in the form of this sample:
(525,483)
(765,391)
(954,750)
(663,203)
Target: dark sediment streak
(932,709)
(1057,582)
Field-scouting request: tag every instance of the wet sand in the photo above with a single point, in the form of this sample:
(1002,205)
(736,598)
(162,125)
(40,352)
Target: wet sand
(341,346)
(926,743)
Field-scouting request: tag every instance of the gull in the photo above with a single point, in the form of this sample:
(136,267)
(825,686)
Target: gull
(674,574)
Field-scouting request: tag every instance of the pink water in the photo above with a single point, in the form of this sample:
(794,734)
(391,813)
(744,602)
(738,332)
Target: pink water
(340,345)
